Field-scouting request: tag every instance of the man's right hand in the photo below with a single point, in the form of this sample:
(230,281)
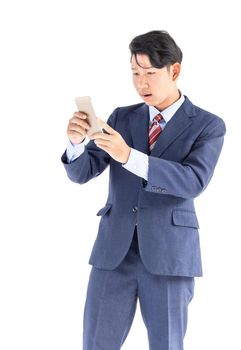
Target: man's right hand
(77,128)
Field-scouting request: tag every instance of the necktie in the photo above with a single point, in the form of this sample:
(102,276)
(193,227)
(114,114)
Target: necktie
(154,131)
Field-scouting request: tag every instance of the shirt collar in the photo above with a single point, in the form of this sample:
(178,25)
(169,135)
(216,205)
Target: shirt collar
(168,112)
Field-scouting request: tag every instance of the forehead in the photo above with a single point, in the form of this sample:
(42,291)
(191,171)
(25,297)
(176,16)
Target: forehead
(140,60)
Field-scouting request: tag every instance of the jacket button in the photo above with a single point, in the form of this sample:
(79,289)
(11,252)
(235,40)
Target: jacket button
(134,209)
(144,183)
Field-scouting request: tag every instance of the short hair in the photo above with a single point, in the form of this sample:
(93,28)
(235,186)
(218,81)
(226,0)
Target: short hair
(159,46)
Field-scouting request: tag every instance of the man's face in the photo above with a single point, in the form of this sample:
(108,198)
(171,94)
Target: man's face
(156,86)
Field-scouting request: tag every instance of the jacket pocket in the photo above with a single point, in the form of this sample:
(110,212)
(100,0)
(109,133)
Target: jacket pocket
(185,218)
(104,210)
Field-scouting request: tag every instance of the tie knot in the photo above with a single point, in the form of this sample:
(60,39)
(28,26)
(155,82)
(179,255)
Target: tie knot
(157,118)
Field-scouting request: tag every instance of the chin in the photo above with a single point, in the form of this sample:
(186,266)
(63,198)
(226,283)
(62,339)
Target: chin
(149,101)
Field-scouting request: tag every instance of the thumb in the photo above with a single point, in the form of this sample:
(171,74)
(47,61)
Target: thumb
(105,126)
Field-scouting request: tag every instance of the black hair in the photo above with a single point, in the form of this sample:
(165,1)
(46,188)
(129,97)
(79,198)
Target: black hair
(159,46)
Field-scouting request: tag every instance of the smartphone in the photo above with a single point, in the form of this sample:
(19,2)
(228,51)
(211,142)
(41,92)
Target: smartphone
(84,105)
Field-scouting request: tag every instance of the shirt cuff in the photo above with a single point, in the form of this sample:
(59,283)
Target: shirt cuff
(74,151)
(138,163)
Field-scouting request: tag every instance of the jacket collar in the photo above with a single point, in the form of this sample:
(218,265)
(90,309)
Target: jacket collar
(139,122)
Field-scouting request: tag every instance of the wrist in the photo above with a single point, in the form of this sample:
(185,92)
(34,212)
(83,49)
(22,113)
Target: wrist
(127,155)
(76,143)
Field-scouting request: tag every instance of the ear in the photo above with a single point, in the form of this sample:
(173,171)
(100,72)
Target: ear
(175,70)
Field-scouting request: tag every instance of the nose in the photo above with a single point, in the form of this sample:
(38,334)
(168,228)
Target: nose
(142,82)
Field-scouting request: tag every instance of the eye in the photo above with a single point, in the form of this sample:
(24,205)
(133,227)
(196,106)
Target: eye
(151,73)
(135,73)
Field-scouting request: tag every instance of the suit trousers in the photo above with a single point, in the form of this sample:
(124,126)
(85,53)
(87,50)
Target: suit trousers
(112,298)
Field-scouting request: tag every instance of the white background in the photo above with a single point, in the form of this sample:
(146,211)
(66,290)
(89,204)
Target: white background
(52,51)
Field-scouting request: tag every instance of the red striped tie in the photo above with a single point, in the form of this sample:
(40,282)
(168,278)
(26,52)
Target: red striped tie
(154,131)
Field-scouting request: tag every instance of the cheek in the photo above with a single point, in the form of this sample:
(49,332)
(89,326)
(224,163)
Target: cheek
(161,84)
(156,86)
(135,82)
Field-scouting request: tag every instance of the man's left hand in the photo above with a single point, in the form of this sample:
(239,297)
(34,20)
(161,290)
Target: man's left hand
(112,143)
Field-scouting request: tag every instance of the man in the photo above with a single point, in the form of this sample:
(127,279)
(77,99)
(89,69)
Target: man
(162,154)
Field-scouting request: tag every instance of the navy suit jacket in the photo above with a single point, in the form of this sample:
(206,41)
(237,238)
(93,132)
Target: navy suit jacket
(180,167)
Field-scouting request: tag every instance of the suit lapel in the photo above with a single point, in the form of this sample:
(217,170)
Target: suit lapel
(139,128)
(139,125)
(174,128)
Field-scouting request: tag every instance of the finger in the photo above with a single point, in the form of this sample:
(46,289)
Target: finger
(105,126)
(80,115)
(73,133)
(77,128)
(103,147)
(101,136)
(80,122)
(103,143)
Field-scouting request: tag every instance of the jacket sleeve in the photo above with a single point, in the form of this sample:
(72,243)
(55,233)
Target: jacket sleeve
(190,177)
(92,162)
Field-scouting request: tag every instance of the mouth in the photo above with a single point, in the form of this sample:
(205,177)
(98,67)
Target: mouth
(146,96)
